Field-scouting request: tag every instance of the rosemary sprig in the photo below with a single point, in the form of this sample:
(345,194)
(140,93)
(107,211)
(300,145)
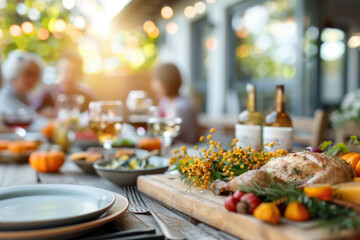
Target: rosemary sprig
(275,190)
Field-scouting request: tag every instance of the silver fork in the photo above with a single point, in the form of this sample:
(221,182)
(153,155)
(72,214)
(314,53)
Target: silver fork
(138,206)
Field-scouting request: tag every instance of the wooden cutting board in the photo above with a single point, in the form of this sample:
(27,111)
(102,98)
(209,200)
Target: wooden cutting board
(204,206)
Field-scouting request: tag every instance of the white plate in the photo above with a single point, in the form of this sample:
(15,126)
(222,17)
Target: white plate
(72,231)
(51,205)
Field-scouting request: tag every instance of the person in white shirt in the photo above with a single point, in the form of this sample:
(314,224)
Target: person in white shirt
(21,73)
(166,84)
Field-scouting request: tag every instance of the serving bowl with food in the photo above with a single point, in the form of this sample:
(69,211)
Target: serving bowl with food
(85,160)
(14,150)
(129,164)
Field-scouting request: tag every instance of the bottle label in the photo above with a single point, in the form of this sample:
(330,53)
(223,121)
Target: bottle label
(281,136)
(248,135)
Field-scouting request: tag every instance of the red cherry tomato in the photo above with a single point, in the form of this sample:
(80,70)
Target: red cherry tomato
(252,200)
(238,195)
(230,203)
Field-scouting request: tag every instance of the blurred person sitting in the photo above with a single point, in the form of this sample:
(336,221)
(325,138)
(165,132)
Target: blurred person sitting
(21,73)
(69,82)
(166,84)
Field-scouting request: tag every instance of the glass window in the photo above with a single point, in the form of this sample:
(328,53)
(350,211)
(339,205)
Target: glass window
(264,49)
(200,30)
(332,54)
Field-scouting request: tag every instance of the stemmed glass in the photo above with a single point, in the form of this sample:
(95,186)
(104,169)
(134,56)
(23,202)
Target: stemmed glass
(106,120)
(68,111)
(166,127)
(19,120)
(138,103)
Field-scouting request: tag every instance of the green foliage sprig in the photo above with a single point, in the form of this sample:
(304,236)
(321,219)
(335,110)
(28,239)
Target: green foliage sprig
(340,147)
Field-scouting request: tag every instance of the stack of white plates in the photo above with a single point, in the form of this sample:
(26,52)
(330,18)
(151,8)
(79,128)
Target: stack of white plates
(55,210)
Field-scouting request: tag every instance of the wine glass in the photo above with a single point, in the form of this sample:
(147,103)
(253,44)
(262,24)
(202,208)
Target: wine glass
(19,120)
(138,103)
(68,111)
(106,120)
(166,127)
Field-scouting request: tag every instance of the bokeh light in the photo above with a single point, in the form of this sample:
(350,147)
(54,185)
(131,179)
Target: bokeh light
(92,62)
(332,35)
(172,28)
(354,42)
(154,34)
(110,64)
(242,32)
(43,34)
(53,11)
(76,36)
(51,25)
(1,33)
(79,22)
(211,1)
(57,35)
(21,8)
(333,46)
(132,41)
(330,51)
(167,12)
(70,28)
(68,4)
(15,30)
(3,4)
(135,56)
(243,51)
(190,12)
(211,43)
(27,27)
(149,26)
(60,25)
(200,7)
(150,50)
(33,14)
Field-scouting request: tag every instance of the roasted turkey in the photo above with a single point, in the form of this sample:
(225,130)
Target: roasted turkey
(301,168)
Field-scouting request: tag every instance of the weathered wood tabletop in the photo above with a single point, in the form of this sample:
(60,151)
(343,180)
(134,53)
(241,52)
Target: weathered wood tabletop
(20,174)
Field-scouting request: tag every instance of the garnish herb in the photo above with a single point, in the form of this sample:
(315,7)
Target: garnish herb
(339,148)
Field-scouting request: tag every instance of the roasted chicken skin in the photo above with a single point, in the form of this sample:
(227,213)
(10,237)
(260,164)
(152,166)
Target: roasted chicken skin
(309,167)
(259,176)
(301,168)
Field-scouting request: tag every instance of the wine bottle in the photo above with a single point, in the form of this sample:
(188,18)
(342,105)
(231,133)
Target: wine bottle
(248,129)
(278,126)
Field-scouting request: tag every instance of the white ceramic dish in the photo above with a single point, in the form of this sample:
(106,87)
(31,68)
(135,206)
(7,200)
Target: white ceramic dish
(51,205)
(72,231)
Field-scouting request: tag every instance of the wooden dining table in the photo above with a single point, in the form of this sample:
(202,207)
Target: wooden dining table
(12,174)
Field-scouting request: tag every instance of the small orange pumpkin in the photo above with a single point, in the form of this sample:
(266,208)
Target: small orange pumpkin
(296,211)
(4,144)
(353,160)
(48,130)
(357,169)
(345,156)
(47,161)
(322,191)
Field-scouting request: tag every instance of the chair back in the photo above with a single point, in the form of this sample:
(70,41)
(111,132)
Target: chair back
(310,130)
